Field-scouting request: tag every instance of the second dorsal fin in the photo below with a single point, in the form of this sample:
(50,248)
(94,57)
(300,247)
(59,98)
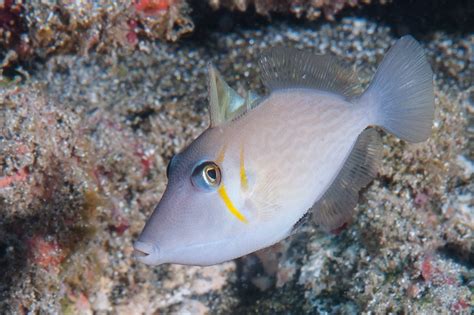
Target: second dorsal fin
(335,207)
(284,67)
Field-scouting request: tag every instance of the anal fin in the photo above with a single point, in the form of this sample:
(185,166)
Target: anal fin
(336,206)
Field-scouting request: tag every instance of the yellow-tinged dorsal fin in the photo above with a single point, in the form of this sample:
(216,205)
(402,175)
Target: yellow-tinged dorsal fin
(225,103)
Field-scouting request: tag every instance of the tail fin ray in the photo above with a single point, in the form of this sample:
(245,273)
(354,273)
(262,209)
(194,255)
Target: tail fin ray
(402,92)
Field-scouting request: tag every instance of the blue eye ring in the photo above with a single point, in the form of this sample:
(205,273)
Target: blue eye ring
(207,176)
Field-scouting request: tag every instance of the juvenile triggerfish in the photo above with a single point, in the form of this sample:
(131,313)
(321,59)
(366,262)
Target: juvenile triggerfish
(266,162)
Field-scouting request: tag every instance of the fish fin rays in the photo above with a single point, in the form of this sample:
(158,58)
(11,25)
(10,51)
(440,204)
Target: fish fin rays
(284,67)
(225,103)
(265,194)
(336,206)
(401,93)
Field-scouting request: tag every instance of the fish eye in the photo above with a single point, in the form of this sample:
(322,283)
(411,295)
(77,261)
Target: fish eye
(206,175)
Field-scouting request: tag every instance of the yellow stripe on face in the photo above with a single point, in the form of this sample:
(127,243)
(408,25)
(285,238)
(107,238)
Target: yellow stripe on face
(222,192)
(243,176)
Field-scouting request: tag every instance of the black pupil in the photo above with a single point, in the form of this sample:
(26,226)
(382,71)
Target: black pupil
(211,173)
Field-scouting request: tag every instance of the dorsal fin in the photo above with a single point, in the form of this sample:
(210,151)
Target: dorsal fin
(224,102)
(285,67)
(337,204)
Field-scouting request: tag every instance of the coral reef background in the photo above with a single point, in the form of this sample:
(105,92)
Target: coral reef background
(95,99)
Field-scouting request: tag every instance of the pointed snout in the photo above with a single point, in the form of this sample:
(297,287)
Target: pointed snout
(146,253)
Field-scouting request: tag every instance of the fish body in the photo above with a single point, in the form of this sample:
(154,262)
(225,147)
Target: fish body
(266,162)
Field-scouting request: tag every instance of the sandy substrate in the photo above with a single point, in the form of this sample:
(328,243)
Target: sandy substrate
(84,143)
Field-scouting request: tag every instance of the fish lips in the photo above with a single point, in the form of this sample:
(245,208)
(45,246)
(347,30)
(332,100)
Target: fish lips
(147,253)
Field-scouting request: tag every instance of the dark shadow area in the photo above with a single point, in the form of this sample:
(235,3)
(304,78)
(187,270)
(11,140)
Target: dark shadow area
(13,258)
(417,17)
(38,243)
(207,20)
(420,18)
(287,299)
(458,253)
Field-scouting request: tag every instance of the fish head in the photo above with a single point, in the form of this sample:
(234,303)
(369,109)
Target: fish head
(192,223)
(200,219)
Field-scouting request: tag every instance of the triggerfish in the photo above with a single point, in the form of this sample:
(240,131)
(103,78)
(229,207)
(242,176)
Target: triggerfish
(305,150)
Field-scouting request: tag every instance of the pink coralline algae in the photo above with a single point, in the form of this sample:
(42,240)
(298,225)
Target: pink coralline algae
(19,176)
(152,6)
(45,253)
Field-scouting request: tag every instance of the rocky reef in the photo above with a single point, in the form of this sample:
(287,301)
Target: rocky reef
(85,138)
(38,29)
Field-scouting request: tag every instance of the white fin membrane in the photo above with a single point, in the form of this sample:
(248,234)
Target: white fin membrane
(284,67)
(336,206)
(402,92)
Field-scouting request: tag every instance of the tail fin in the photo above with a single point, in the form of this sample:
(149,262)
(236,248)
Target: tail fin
(402,92)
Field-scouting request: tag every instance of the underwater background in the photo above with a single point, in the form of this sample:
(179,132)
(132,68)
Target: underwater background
(97,96)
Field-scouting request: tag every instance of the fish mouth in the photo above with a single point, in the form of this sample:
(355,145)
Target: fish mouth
(138,253)
(147,253)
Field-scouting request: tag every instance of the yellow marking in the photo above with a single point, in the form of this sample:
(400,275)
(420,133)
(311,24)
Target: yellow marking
(243,176)
(220,157)
(230,205)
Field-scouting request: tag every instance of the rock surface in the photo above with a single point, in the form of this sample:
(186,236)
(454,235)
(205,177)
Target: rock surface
(84,143)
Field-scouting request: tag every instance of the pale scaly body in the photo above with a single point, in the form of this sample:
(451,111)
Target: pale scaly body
(308,130)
